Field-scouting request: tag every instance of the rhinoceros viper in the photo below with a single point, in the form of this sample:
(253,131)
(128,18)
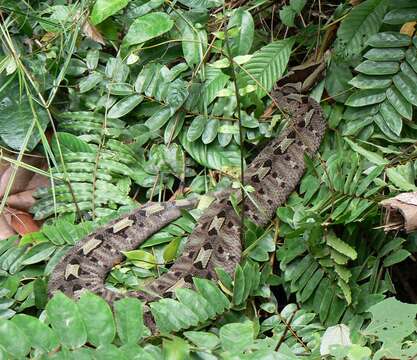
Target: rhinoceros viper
(215,242)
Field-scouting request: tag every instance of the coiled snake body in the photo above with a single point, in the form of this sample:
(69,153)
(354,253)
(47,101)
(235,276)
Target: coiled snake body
(215,241)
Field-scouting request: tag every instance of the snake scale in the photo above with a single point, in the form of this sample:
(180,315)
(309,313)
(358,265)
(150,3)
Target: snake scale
(215,242)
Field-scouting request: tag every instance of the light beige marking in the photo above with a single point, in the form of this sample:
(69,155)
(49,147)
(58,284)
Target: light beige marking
(285,144)
(72,269)
(122,224)
(308,117)
(179,284)
(216,223)
(154,209)
(204,257)
(90,245)
(263,171)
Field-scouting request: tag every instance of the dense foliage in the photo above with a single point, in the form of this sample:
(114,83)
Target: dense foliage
(127,101)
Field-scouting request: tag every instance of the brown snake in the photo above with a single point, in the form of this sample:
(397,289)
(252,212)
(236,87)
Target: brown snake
(215,241)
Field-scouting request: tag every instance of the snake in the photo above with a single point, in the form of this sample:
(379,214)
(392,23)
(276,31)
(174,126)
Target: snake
(215,241)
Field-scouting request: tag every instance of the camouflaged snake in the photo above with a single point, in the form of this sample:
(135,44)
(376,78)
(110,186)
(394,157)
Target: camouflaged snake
(215,242)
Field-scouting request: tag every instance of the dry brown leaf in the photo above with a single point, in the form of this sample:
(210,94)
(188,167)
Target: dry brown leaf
(408,28)
(22,201)
(22,178)
(355,2)
(21,221)
(5,230)
(401,212)
(91,31)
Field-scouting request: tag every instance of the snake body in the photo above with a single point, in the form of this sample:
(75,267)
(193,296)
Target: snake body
(215,242)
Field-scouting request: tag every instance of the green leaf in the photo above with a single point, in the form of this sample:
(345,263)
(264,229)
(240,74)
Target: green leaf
(109,352)
(69,143)
(238,286)
(40,335)
(13,339)
(398,101)
(213,155)
(176,349)
(385,54)
(194,43)
(141,258)
(148,27)
(371,156)
(370,82)
(337,80)
(98,319)
(102,9)
(235,338)
(392,117)
(363,21)
(266,66)
(128,313)
(38,253)
(124,106)
(196,128)
(396,257)
(202,339)
(242,42)
(334,242)
(201,4)
(402,176)
(392,321)
(389,39)
(370,67)
(159,118)
(210,131)
(15,105)
(66,320)
(366,97)
(400,16)
(212,294)
(287,16)
(406,87)
(196,303)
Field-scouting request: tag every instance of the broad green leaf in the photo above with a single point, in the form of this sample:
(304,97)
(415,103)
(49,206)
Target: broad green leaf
(400,16)
(370,82)
(389,39)
(242,42)
(371,156)
(392,321)
(13,339)
(98,319)
(363,21)
(313,282)
(402,176)
(411,57)
(176,349)
(287,15)
(159,119)
(213,155)
(40,335)
(201,4)
(196,128)
(210,131)
(202,339)
(238,286)
(370,67)
(235,338)
(337,80)
(194,44)
(398,101)
(102,9)
(141,258)
(109,352)
(366,97)
(215,82)
(38,253)
(385,54)
(69,143)
(148,27)
(406,87)
(17,118)
(67,321)
(171,315)
(396,257)
(196,303)
(392,117)
(128,313)
(124,106)
(212,294)
(333,241)
(266,66)
(90,82)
